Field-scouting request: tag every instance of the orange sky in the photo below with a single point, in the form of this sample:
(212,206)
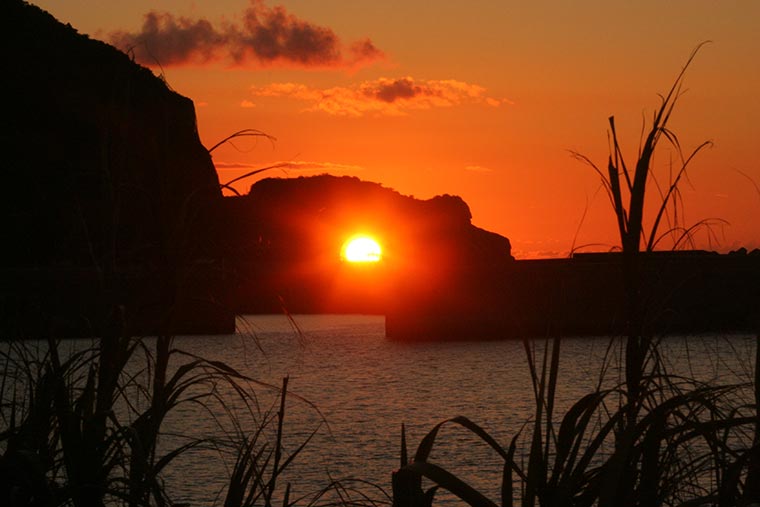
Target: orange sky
(481,99)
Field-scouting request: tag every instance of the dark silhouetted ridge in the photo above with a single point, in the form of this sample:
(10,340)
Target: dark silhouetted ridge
(105,177)
(286,236)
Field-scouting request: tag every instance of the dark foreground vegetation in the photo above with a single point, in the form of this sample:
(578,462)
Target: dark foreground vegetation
(652,439)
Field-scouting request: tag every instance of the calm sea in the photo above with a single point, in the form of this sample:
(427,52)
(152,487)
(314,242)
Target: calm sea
(355,388)
(351,389)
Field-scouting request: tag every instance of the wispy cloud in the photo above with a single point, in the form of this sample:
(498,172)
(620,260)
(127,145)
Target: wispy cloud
(331,167)
(300,165)
(382,96)
(264,36)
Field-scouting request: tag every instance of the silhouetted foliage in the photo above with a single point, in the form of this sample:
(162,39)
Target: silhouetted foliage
(652,438)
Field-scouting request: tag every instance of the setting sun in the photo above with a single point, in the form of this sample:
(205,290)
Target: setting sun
(361,249)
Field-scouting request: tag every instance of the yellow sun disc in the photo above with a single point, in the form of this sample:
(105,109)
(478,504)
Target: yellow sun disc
(362,249)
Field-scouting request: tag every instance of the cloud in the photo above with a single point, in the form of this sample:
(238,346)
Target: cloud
(365,51)
(331,167)
(265,36)
(392,90)
(247,104)
(300,165)
(298,91)
(382,96)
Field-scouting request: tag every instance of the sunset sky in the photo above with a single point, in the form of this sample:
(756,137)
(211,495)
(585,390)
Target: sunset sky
(483,99)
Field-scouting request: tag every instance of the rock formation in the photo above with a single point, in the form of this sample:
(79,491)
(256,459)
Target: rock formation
(104,171)
(287,234)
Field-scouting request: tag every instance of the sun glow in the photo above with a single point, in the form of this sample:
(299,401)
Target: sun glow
(361,249)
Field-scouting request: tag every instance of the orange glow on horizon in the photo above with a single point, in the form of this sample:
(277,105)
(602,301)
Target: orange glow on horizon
(362,249)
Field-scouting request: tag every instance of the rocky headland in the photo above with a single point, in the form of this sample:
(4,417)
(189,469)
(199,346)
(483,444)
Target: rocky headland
(108,192)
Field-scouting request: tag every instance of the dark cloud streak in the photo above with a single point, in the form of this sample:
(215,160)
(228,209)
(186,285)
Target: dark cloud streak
(267,36)
(390,91)
(169,40)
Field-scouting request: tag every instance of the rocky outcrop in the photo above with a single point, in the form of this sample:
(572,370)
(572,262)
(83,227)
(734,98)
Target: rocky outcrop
(100,158)
(300,216)
(286,236)
(102,165)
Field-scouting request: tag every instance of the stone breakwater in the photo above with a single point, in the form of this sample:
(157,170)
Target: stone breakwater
(680,292)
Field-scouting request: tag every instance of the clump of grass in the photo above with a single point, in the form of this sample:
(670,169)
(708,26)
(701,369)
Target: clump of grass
(652,439)
(691,444)
(90,423)
(259,465)
(87,427)
(620,183)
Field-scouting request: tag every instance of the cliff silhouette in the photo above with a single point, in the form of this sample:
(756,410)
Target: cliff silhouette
(108,191)
(286,234)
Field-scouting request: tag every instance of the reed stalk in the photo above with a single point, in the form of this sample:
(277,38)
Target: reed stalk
(652,439)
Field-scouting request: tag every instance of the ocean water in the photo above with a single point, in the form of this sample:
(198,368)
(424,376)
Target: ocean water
(350,389)
(354,388)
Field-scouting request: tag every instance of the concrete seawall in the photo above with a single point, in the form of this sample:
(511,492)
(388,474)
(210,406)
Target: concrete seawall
(681,292)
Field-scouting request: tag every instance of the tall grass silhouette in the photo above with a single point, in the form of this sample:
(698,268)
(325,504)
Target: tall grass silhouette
(83,428)
(652,439)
